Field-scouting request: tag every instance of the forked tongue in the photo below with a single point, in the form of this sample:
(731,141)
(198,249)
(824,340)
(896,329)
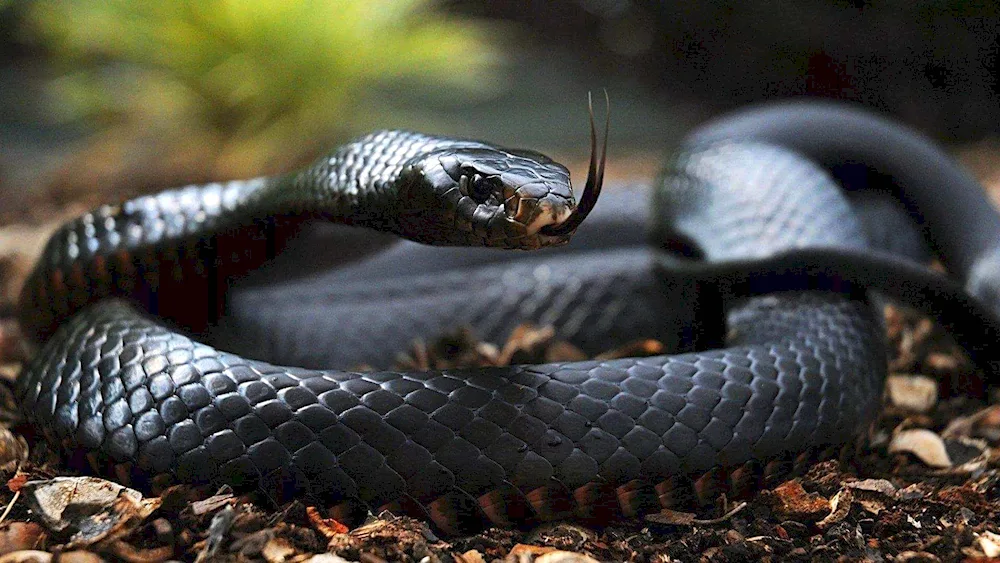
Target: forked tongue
(595,176)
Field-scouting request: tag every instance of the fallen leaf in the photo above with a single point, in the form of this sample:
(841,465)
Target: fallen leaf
(927,446)
(671,517)
(278,550)
(916,393)
(13,450)
(675,518)
(564,557)
(645,347)
(329,527)
(880,486)
(791,502)
(471,556)
(561,351)
(526,552)
(870,493)
(526,343)
(326,558)
(27,556)
(989,543)
(220,499)
(917,557)
(128,552)
(840,507)
(17,481)
(87,508)
(984,423)
(17,536)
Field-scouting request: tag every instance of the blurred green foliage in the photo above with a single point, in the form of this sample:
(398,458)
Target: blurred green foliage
(262,82)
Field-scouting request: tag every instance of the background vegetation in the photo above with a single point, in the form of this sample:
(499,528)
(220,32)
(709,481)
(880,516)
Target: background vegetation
(240,87)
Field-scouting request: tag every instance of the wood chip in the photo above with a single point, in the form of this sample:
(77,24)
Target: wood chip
(927,446)
(791,502)
(916,393)
(564,557)
(989,543)
(88,508)
(328,527)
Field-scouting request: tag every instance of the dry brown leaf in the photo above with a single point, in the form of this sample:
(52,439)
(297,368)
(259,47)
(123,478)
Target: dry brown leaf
(880,486)
(916,393)
(132,554)
(840,507)
(984,423)
(645,347)
(989,543)
(917,557)
(27,556)
(471,556)
(791,502)
(16,482)
(564,557)
(927,446)
(870,494)
(671,517)
(88,508)
(220,499)
(278,550)
(329,527)
(524,552)
(526,342)
(326,558)
(13,450)
(561,351)
(17,536)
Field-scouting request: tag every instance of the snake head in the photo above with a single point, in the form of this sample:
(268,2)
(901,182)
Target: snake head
(471,194)
(476,195)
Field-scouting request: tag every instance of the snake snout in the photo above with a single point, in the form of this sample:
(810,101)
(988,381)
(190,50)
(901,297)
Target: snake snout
(536,205)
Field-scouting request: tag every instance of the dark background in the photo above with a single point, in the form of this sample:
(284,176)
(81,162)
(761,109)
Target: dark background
(666,65)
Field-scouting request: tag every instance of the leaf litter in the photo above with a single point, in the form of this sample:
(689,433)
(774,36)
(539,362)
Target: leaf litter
(924,489)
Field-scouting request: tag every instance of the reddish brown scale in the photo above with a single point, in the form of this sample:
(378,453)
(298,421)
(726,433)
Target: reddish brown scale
(94,461)
(801,461)
(515,506)
(678,493)
(58,282)
(161,482)
(711,486)
(744,480)
(596,502)
(496,508)
(629,498)
(774,471)
(343,512)
(551,502)
(123,473)
(76,275)
(453,513)
(405,505)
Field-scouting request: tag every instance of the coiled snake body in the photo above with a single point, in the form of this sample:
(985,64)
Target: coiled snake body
(740,213)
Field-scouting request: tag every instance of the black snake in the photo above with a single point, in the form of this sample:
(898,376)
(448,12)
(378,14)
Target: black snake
(748,207)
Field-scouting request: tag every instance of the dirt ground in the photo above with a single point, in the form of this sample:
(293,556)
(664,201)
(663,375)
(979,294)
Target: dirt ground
(924,487)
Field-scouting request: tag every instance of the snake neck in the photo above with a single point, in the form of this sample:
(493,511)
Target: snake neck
(135,249)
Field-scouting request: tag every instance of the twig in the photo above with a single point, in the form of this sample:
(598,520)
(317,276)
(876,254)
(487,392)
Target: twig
(10,506)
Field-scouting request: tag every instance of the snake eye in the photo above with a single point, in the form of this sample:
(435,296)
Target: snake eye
(480,188)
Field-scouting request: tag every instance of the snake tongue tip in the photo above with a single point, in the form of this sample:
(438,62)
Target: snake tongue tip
(595,174)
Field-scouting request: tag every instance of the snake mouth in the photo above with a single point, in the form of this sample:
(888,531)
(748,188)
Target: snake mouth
(536,206)
(595,177)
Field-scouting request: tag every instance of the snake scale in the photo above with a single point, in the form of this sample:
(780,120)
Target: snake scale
(759,274)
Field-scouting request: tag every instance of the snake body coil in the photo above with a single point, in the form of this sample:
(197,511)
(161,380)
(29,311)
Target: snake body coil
(799,374)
